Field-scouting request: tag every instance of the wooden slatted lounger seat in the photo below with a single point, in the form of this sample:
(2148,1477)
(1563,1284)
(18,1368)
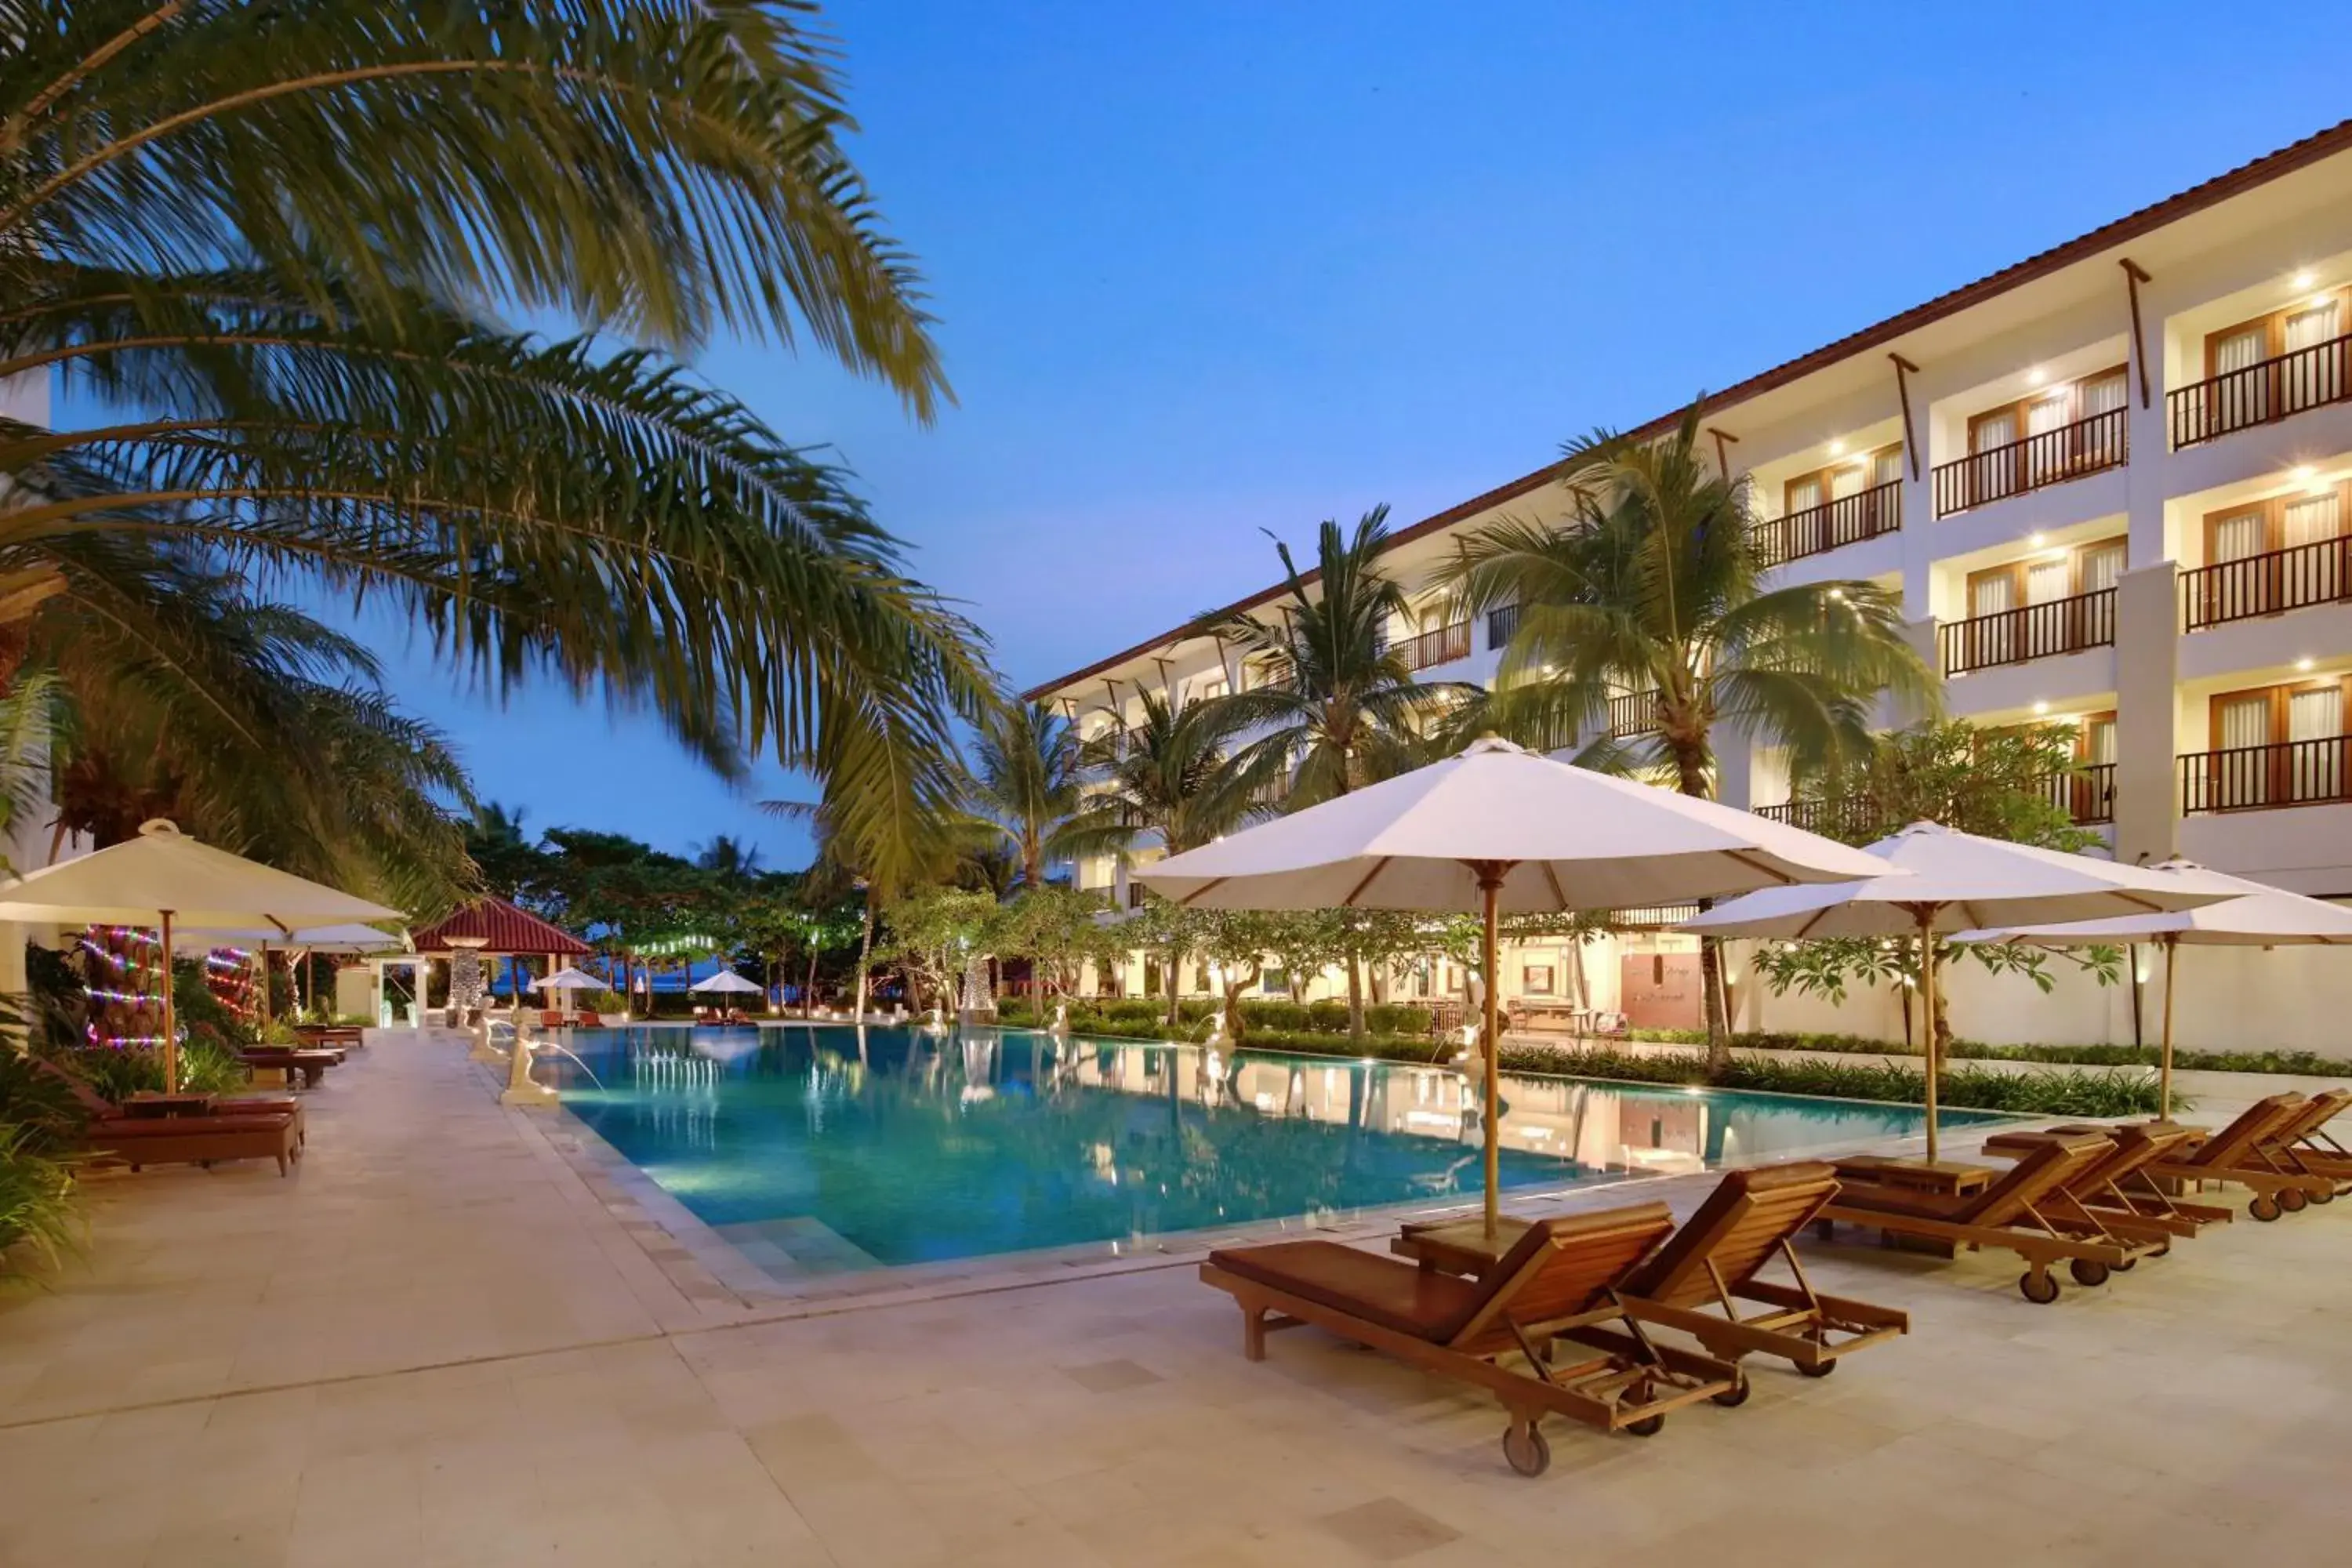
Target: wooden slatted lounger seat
(2011,1214)
(1560,1281)
(139,1141)
(2245,1153)
(311,1064)
(1713,1261)
(103,1112)
(2307,1145)
(2119,1188)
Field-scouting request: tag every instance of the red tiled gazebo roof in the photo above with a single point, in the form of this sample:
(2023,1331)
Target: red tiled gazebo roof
(502,928)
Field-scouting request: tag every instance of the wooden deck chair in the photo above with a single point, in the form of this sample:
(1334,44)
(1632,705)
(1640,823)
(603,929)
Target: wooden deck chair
(2304,1143)
(1713,1261)
(2013,1213)
(2245,1153)
(2118,1189)
(1558,1282)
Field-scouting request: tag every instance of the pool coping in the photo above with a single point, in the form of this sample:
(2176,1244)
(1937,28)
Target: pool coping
(709,1270)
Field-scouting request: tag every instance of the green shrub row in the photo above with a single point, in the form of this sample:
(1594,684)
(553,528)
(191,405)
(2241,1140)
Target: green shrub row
(1292,1017)
(2309,1064)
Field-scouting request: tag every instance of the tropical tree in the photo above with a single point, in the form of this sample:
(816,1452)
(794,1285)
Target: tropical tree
(512,861)
(1057,930)
(269,249)
(1652,596)
(1336,705)
(1025,775)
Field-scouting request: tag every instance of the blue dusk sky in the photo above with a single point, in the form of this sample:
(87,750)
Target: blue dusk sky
(1209,269)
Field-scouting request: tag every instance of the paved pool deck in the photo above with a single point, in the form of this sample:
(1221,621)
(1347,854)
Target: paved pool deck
(455,1336)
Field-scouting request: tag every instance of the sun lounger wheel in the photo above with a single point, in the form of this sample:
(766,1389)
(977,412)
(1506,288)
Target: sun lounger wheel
(2038,1286)
(2088,1271)
(1819,1369)
(2265,1207)
(1647,1427)
(1525,1446)
(2322,1194)
(1735,1396)
(2292,1199)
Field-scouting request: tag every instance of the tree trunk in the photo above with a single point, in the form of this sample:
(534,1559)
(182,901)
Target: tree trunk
(808,992)
(1690,772)
(1175,987)
(1355,997)
(865,951)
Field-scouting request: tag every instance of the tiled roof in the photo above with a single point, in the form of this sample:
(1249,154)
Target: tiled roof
(503,928)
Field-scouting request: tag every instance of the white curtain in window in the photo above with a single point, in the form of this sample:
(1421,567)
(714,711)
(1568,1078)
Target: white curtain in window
(2316,772)
(2047,580)
(1998,430)
(1804,494)
(2238,350)
(2309,380)
(1886,468)
(2103,395)
(1847,480)
(2243,400)
(2099,742)
(1992,595)
(2102,565)
(2310,518)
(2306,329)
(2237,537)
(2245,722)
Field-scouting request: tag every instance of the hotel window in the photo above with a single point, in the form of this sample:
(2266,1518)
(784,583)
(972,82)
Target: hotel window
(2279,522)
(1846,476)
(2308,381)
(1535,979)
(2041,580)
(2292,720)
(2050,409)
(1209,690)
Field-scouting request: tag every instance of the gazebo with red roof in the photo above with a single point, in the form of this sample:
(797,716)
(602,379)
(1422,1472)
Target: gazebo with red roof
(491,927)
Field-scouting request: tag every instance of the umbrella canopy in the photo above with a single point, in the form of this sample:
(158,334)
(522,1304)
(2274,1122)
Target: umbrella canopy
(727,980)
(348,937)
(1500,828)
(2259,916)
(570,978)
(162,876)
(1942,881)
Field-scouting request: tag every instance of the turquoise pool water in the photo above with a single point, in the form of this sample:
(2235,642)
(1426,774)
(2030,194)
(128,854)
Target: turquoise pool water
(821,1148)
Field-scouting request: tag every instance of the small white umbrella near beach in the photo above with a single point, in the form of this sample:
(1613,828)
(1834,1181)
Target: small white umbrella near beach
(726,980)
(164,876)
(1499,829)
(1940,881)
(570,978)
(2258,916)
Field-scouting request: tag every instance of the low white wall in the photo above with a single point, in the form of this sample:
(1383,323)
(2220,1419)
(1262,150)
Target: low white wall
(2231,998)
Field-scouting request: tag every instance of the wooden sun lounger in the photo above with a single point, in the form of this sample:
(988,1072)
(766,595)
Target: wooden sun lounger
(2118,1188)
(103,1112)
(2304,1143)
(1560,1281)
(2248,1152)
(1713,1261)
(2027,1212)
(139,1141)
(311,1064)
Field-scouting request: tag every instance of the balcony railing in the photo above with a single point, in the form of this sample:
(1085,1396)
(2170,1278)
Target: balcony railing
(2261,392)
(1502,624)
(2049,458)
(2253,778)
(2319,572)
(1817,530)
(1635,713)
(1843,818)
(2088,795)
(1443,646)
(2035,631)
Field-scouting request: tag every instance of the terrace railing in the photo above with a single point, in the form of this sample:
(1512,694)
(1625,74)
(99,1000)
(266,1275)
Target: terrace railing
(1818,529)
(2034,631)
(1443,646)
(2048,457)
(1635,713)
(2087,796)
(1843,818)
(2259,393)
(2319,572)
(1502,624)
(2255,778)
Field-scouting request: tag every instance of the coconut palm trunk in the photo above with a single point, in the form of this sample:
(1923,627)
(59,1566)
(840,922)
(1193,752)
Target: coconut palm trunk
(865,951)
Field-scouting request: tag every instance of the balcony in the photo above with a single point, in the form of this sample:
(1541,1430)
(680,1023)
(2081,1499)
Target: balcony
(1443,646)
(2048,457)
(2086,795)
(2260,393)
(1844,819)
(2319,572)
(2261,778)
(1502,625)
(1818,529)
(1635,713)
(2036,631)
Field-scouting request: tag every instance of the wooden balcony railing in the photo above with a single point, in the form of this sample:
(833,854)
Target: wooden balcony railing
(1635,713)
(1844,818)
(1443,646)
(2319,572)
(1501,626)
(2255,778)
(2034,631)
(2261,392)
(1817,530)
(2087,796)
(2053,457)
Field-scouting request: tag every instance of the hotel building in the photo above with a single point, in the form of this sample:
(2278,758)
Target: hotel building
(2113,485)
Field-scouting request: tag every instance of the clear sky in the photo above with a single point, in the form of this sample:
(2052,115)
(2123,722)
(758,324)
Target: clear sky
(1208,268)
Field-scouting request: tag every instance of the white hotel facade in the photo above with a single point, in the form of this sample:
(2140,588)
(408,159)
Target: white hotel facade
(2112,484)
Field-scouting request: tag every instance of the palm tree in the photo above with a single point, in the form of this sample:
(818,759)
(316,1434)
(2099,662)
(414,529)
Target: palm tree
(267,247)
(728,859)
(1170,782)
(1652,594)
(1025,777)
(1337,706)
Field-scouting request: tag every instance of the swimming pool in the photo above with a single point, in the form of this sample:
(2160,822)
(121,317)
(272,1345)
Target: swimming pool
(821,1148)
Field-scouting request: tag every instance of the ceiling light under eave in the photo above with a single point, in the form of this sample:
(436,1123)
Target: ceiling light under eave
(2036,376)
(1837,449)
(2303,664)
(2036,540)
(2041,707)
(2303,279)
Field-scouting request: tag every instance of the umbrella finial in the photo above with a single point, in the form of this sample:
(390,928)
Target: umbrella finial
(159,827)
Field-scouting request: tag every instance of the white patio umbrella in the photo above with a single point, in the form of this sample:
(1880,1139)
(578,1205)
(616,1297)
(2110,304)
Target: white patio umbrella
(1501,829)
(1940,881)
(348,937)
(162,876)
(571,977)
(726,980)
(2259,916)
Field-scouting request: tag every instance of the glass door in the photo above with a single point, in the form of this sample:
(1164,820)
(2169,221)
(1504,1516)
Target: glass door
(2310,379)
(2314,730)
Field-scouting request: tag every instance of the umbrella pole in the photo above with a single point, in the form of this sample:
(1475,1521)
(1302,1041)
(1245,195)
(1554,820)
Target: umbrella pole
(1927,999)
(2164,1075)
(171,1025)
(266,1019)
(1490,885)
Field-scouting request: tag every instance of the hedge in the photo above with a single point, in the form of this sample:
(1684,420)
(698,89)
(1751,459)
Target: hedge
(2309,1064)
(1292,1017)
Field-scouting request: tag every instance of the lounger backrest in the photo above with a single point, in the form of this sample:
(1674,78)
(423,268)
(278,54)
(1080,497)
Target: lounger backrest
(1740,1226)
(2255,1126)
(1561,1267)
(2057,1164)
(2137,1148)
(2311,1116)
(89,1099)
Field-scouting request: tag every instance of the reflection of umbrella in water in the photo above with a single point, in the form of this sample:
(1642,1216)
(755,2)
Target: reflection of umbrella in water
(2261,916)
(1497,830)
(1940,881)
